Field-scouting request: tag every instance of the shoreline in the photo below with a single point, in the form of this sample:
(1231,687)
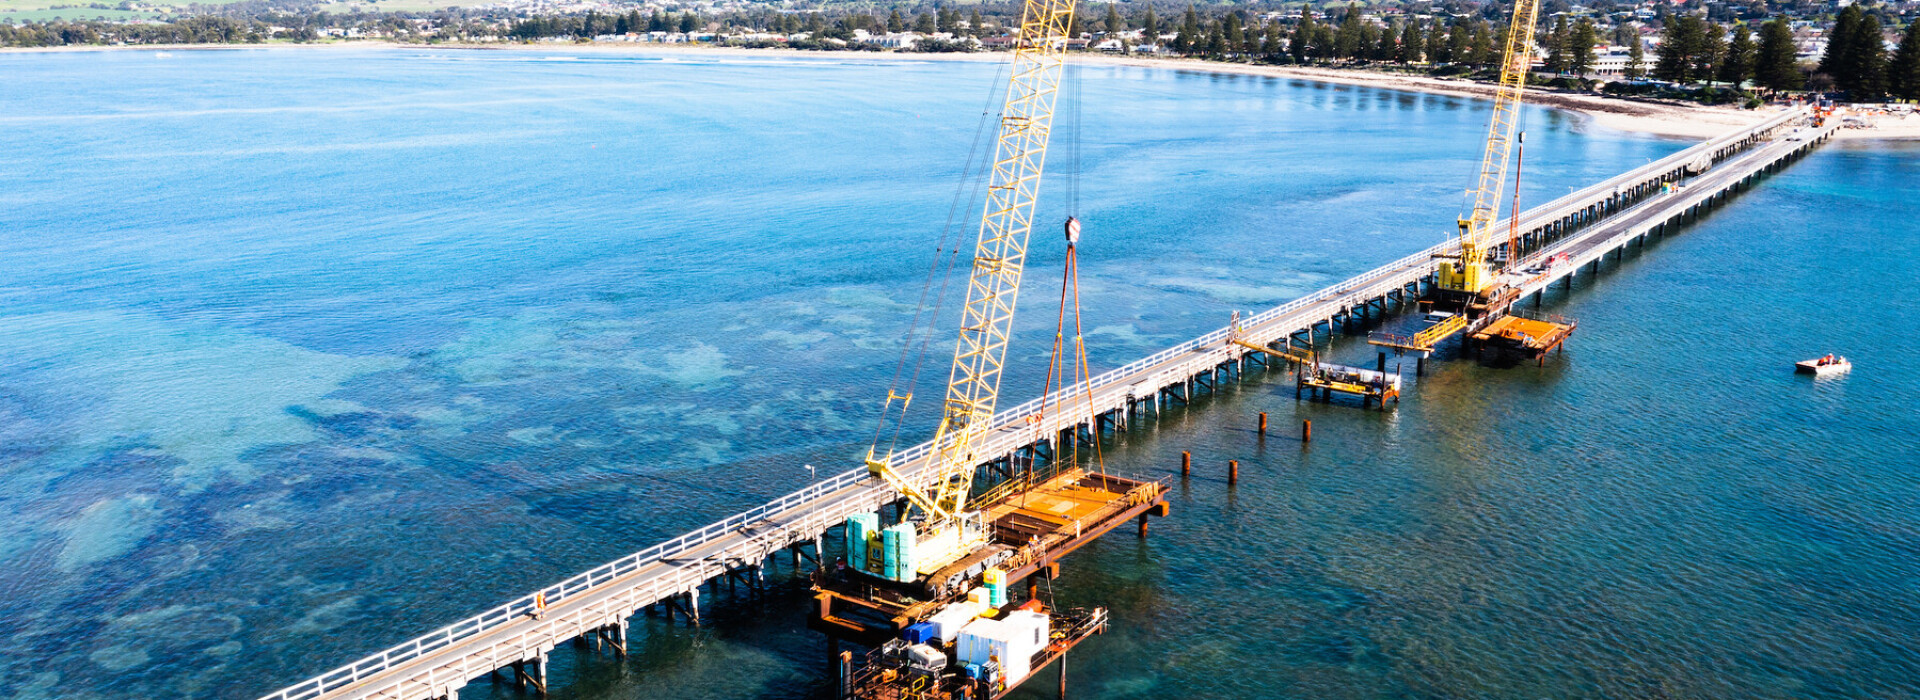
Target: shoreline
(1651,118)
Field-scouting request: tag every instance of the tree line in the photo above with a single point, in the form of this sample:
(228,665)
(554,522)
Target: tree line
(1855,62)
(1309,37)
(192,30)
(1461,38)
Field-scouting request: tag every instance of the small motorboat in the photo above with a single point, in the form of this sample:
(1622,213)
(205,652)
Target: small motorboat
(1824,366)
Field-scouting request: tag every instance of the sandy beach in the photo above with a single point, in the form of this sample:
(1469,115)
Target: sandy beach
(1660,118)
(1640,116)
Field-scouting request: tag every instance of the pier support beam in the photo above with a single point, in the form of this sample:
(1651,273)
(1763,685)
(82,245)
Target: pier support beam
(1063,674)
(532,673)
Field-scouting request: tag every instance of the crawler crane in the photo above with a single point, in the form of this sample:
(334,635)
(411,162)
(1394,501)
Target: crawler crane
(946,529)
(1467,283)
(930,596)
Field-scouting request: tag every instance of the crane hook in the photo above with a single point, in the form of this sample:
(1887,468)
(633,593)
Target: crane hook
(1073,230)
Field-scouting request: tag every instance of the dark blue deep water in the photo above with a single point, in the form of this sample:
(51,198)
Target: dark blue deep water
(305,352)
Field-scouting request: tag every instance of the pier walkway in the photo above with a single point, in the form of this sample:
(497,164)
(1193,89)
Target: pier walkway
(520,634)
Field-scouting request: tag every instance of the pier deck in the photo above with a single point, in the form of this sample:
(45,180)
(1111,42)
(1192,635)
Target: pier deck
(1583,225)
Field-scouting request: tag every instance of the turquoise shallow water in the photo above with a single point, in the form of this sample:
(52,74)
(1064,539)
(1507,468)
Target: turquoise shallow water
(304,352)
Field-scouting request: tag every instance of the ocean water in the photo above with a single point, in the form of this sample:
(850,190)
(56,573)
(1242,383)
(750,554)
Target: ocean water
(304,352)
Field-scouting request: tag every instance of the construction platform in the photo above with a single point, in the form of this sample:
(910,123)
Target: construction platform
(1424,341)
(1322,381)
(1035,519)
(1575,232)
(892,672)
(1515,338)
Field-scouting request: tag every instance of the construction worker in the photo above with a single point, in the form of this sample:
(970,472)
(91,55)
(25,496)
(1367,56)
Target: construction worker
(539,605)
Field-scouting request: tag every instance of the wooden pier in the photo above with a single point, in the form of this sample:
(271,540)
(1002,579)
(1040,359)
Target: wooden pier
(1580,229)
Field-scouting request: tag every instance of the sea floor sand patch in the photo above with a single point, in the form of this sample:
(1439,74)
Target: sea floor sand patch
(1232,292)
(205,395)
(700,366)
(1129,335)
(108,529)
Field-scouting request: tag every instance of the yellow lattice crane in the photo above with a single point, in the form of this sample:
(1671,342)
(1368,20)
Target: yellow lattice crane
(1468,278)
(939,490)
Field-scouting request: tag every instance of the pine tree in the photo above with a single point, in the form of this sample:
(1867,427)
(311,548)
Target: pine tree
(1636,60)
(1737,66)
(1839,41)
(1385,48)
(1189,34)
(1500,45)
(1580,47)
(1276,45)
(1346,44)
(1557,41)
(1438,49)
(1302,34)
(974,25)
(1484,54)
(689,22)
(1775,66)
(896,23)
(1410,43)
(1483,45)
(1679,38)
(1867,62)
(1709,45)
(1114,24)
(1149,26)
(1903,72)
(1855,59)
(1232,33)
(1459,42)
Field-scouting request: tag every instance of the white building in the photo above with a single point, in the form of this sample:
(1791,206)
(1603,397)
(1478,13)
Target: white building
(1613,60)
(905,41)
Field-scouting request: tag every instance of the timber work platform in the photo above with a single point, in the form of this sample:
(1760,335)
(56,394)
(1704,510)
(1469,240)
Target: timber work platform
(521,633)
(1516,338)
(1323,381)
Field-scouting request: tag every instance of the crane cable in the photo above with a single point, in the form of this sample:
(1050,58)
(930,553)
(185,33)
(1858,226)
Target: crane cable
(1513,226)
(1070,284)
(967,187)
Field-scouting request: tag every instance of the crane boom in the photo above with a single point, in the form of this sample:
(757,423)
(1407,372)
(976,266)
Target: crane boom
(1013,187)
(1470,274)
